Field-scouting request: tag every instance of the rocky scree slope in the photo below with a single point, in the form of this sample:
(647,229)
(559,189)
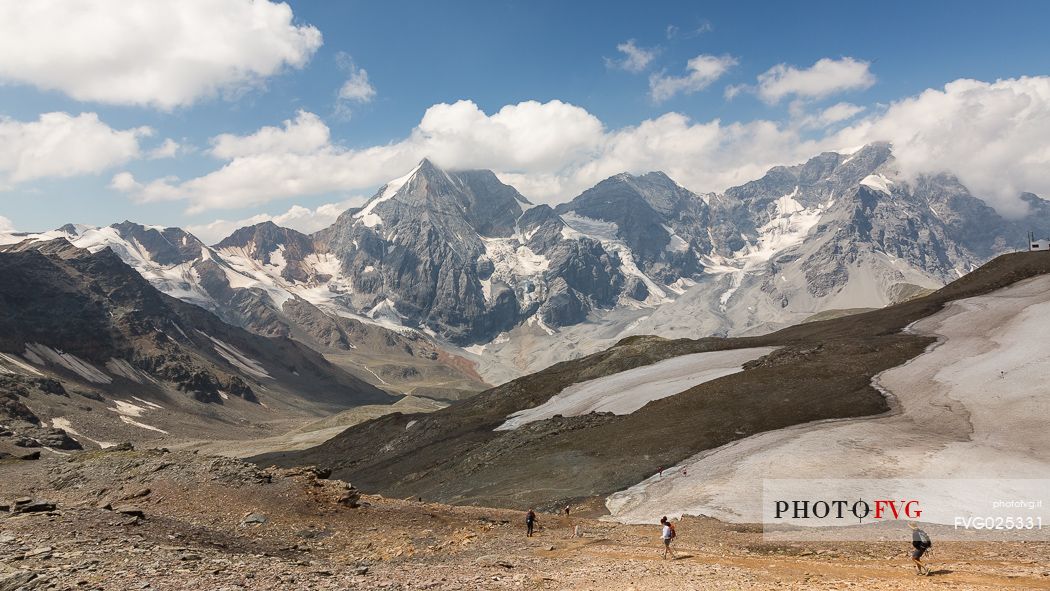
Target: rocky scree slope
(88,323)
(274,282)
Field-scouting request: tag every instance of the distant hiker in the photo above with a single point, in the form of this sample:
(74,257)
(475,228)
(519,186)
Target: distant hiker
(566,510)
(922,544)
(661,470)
(530,522)
(668,535)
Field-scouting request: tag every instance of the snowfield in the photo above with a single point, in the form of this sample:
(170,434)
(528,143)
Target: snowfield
(973,406)
(628,391)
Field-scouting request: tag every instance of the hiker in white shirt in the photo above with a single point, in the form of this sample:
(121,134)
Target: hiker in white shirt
(667,535)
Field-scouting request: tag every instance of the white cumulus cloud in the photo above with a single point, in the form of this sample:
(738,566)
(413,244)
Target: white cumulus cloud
(63,145)
(161,53)
(357,87)
(824,78)
(304,135)
(167,149)
(298,158)
(703,70)
(635,58)
(992,135)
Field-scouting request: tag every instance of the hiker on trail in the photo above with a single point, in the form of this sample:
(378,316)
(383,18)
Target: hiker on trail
(661,470)
(922,544)
(667,535)
(566,510)
(530,522)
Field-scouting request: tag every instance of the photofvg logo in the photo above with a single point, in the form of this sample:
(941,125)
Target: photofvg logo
(878,509)
(859,510)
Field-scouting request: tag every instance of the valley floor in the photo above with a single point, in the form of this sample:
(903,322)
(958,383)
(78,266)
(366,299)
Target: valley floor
(195,533)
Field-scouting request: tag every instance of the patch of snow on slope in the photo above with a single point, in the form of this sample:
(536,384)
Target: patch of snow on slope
(153,405)
(244,271)
(385,314)
(128,409)
(41,354)
(512,259)
(606,233)
(677,243)
(324,263)
(475,349)
(513,263)
(598,229)
(625,392)
(971,407)
(179,281)
(64,424)
(277,262)
(788,226)
(877,182)
(135,423)
(367,215)
(569,233)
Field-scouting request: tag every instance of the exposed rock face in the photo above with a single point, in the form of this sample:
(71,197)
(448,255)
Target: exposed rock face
(458,253)
(272,281)
(664,225)
(848,231)
(273,245)
(91,319)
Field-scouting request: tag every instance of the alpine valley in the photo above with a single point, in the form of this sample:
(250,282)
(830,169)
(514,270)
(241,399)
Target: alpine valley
(446,281)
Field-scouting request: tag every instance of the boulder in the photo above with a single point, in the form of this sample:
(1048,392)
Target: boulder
(254,519)
(130,511)
(56,438)
(33,506)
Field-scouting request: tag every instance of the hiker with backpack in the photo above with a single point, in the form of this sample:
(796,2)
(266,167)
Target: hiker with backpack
(922,544)
(530,522)
(668,535)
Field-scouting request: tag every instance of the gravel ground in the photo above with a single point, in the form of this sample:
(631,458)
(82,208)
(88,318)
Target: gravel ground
(176,520)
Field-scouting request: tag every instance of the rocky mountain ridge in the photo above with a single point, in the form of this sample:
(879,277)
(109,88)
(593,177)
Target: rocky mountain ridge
(88,345)
(439,259)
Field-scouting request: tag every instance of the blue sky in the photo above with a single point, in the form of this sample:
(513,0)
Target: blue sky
(493,54)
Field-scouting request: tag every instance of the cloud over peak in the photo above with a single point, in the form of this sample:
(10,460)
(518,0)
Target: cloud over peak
(552,151)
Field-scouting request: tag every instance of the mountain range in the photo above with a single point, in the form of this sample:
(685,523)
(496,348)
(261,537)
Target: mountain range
(442,270)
